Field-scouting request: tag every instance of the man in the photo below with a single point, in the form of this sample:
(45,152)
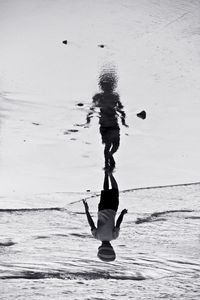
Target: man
(106,229)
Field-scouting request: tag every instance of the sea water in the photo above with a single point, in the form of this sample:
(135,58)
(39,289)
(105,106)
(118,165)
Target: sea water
(47,249)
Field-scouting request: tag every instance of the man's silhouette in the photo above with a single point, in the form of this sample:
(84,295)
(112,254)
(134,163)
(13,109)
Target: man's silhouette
(106,229)
(110,108)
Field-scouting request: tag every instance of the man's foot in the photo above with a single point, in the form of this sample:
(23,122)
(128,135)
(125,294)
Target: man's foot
(107,165)
(106,169)
(112,161)
(111,169)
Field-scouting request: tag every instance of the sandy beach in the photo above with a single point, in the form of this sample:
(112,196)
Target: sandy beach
(50,161)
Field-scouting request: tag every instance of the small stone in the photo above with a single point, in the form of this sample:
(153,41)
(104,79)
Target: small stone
(142,115)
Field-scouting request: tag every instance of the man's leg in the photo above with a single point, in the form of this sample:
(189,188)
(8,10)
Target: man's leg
(115,147)
(106,154)
(114,196)
(114,184)
(106,182)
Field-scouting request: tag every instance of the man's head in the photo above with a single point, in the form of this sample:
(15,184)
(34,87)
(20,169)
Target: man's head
(106,252)
(108,81)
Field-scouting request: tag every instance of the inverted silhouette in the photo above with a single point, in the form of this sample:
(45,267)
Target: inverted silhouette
(106,229)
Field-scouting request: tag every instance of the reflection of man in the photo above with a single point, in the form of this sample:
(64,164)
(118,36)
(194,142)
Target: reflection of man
(106,229)
(110,106)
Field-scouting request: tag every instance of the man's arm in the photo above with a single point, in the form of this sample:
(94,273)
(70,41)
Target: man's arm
(95,103)
(120,218)
(89,218)
(122,113)
(89,115)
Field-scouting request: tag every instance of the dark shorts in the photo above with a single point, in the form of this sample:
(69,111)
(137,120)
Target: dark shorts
(109,199)
(110,134)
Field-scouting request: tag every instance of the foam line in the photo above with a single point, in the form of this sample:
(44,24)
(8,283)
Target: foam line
(159,186)
(13,210)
